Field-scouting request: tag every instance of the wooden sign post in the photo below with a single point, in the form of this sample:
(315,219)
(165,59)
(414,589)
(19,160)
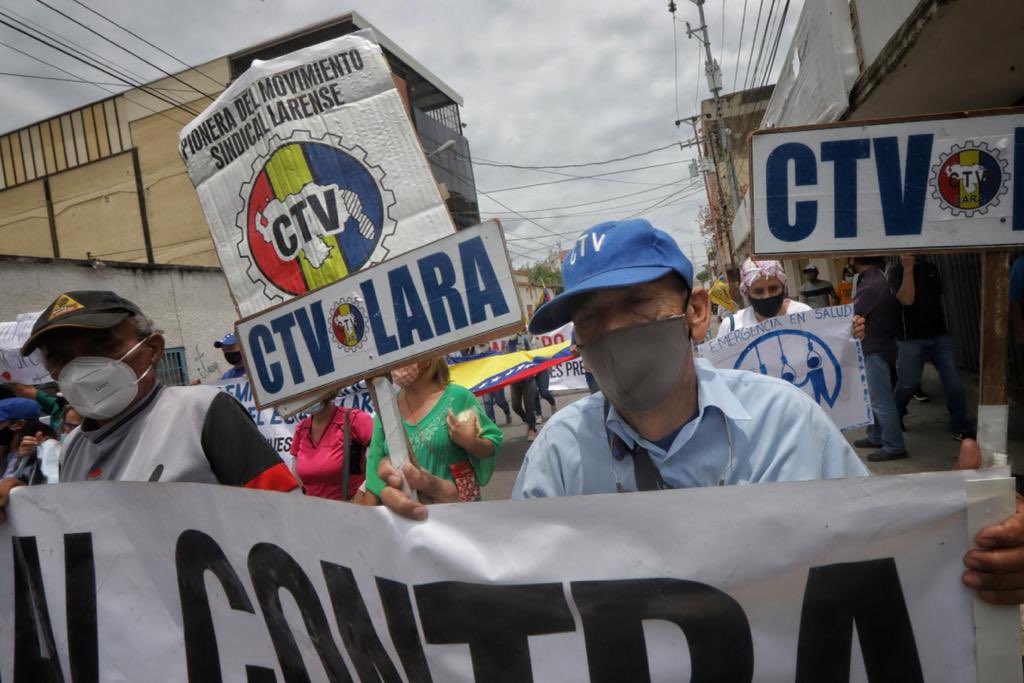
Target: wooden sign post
(993,406)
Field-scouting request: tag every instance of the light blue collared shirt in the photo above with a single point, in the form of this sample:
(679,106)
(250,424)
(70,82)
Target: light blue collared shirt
(778,433)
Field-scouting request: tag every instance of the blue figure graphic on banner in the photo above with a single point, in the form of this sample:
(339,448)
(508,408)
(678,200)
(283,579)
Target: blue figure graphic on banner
(774,354)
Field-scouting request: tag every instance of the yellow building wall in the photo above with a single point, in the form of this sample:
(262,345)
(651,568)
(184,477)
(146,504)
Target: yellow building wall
(176,223)
(96,210)
(24,225)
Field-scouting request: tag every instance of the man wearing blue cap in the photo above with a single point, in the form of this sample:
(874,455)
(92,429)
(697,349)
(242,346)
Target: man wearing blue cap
(664,419)
(232,354)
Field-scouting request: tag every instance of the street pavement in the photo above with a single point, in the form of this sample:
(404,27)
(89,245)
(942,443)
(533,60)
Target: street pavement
(928,439)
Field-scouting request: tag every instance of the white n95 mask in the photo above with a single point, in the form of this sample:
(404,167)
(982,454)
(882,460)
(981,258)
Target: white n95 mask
(100,388)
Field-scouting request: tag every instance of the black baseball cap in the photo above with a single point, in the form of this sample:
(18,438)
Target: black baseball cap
(88,309)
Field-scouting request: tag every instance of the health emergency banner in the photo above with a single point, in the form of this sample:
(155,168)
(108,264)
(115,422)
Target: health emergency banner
(13,366)
(812,350)
(940,182)
(843,580)
(421,304)
(308,169)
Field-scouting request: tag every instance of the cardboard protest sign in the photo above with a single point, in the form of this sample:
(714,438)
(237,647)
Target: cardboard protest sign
(889,186)
(424,303)
(113,581)
(308,169)
(13,367)
(812,350)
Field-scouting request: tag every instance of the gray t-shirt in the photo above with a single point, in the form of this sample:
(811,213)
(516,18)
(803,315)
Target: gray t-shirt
(195,434)
(815,294)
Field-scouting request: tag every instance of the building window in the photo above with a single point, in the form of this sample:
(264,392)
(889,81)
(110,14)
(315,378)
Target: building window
(172,370)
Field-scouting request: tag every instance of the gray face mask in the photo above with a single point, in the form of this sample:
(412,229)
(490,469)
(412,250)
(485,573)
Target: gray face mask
(637,367)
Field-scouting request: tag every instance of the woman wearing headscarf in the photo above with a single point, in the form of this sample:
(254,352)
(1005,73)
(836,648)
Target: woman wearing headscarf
(764,285)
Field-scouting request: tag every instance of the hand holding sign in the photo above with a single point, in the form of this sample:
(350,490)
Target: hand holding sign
(430,489)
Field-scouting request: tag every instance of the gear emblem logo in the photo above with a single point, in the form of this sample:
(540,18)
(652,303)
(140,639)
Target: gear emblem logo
(348,324)
(314,212)
(969,179)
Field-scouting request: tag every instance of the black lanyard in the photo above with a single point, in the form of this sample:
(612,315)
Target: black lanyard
(647,476)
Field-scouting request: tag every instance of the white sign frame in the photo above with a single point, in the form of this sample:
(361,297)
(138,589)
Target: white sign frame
(997,222)
(358,356)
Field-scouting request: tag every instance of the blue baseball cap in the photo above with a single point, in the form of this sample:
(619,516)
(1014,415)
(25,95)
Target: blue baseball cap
(612,254)
(18,409)
(227,340)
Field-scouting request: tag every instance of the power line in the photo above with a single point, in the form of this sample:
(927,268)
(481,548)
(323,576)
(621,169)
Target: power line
(775,47)
(599,212)
(539,167)
(739,46)
(753,44)
(155,47)
(585,177)
(603,201)
(764,38)
(78,80)
(123,48)
(98,67)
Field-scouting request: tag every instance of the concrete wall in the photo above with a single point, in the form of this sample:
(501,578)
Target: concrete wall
(191,305)
(24,226)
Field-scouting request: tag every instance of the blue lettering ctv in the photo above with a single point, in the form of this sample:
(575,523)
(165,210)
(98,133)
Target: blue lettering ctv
(844,155)
(316,336)
(805,172)
(261,342)
(903,202)
(283,327)
(1018,178)
(437,274)
(477,268)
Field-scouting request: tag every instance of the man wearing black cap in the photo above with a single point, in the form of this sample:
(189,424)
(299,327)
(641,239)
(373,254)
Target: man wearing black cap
(103,352)
(664,419)
(815,292)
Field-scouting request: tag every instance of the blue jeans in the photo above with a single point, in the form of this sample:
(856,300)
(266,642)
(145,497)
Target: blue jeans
(492,397)
(886,428)
(939,350)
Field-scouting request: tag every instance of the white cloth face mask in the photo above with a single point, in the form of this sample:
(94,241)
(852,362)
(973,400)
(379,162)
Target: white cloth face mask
(100,388)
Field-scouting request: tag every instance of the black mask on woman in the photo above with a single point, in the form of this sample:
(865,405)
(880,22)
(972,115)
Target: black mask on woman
(233,357)
(769,307)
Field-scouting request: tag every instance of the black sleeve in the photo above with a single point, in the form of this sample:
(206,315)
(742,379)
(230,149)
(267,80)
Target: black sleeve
(895,276)
(237,452)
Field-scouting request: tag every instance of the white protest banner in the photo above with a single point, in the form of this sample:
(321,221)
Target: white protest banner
(308,169)
(14,367)
(937,182)
(428,301)
(568,376)
(116,581)
(557,336)
(812,350)
(278,429)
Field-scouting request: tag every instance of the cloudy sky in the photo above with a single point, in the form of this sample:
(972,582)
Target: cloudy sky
(544,83)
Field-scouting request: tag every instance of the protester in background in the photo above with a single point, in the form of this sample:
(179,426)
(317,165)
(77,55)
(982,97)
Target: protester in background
(49,404)
(922,336)
(497,397)
(232,354)
(543,380)
(668,420)
(845,287)
(523,393)
(877,304)
(70,420)
(103,352)
(321,453)
(815,292)
(764,285)
(450,436)
(19,417)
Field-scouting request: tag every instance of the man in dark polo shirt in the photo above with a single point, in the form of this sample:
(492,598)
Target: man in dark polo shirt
(881,311)
(815,292)
(923,335)
(103,352)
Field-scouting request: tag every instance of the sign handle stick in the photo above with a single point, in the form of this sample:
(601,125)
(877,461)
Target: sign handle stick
(386,402)
(993,408)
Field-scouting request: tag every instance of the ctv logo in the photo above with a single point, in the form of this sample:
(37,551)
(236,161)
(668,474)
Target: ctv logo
(314,213)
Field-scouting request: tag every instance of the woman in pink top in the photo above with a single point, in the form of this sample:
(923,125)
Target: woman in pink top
(318,444)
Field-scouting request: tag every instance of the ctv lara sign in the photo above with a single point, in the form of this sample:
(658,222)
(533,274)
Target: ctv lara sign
(935,183)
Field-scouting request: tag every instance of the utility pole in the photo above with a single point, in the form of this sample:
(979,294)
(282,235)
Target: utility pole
(714,76)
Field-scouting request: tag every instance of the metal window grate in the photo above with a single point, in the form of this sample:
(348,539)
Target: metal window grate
(172,370)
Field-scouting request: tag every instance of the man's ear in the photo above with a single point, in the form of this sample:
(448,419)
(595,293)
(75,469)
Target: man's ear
(156,343)
(698,314)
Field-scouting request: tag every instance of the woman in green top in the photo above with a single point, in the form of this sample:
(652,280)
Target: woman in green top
(443,439)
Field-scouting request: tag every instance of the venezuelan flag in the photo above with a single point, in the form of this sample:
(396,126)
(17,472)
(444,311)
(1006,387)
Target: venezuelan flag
(489,372)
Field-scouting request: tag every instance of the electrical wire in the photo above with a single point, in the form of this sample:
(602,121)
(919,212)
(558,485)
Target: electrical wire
(124,49)
(155,47)
(78,80)
(600,176)
(597,212)
(775,47)
(739,46)
(602,201)
(753,44)
(764,38)
(539,167)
